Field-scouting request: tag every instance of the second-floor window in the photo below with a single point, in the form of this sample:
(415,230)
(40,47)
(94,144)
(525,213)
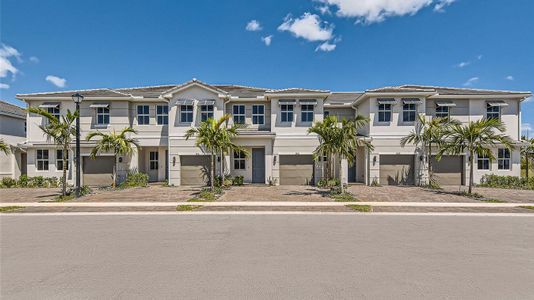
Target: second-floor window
(286,112)
(102,115)
(143,114)
(206,112)
(493,112)
(153,160)
(54,111)
(503,159)
(384,112)
(238,112)
(442,112)
(306,113)
(326,113)
(42,160)
(483,162)
(408,112)
(258,114)
(186,113)
(162,114)
(239,160)
(59,160)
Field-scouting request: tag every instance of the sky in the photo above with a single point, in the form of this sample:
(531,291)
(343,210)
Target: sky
(338,45)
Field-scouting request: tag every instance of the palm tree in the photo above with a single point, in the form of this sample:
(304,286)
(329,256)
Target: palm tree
(227,146)
(212,137)
(4,147)
(475,138)
(526,151)
(427,134)
(62,130)
(119,144)
(338,139)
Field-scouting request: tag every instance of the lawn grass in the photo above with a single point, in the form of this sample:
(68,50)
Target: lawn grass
(187,207)
(345,197)
(493,201)
(62,198)
(527,207)
(360,208)
(6,209)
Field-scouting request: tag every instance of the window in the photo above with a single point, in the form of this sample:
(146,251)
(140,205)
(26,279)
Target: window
(102,115)
(306,113)
(54,111)
(153,160)
(239,160)
(206,112)
(59,160)
(503,159)
(258,114)
(483,162)
(326,113)
(186,113)
(42,160)
(493,112)
(238,111)
(384,112)
(287,112)
(162,114)
(143,114)
(442,112)
(408,112)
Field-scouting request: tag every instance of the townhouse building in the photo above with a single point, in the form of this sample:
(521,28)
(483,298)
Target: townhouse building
(12,132)
(275,132)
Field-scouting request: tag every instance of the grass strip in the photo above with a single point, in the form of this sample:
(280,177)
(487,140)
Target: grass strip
(6,209)
(187,207)
(360,208)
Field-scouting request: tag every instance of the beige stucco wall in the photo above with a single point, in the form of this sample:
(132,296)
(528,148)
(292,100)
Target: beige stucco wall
(12,133)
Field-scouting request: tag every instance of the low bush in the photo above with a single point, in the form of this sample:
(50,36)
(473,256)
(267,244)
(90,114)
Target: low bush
(135,179)
(30,182)
(238,180)
(8,182)
(206,195)
(328,182)
(23,181)
(507,182)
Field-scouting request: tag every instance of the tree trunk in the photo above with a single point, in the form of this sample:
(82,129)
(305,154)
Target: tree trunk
(429,162)
(340,164)
(212,172)
(471,171)
(527,163)
(115,173)
(64,179)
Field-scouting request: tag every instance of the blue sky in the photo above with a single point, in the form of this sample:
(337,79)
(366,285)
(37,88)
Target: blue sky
(340,45)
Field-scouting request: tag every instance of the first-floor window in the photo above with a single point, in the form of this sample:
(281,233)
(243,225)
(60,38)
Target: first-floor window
(258,114)
(286,112)
(186,113)
(442,112)
(102,115)
(42,160)
(326,113)
(153,160)
(238,112)
(384,112)
(503,159)
(306,113)
(206,112)
(162,114)
(483,162)
(239,160)
(59,160)
(408,112)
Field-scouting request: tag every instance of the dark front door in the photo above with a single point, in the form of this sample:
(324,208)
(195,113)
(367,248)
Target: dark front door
(258,165)
(352,172)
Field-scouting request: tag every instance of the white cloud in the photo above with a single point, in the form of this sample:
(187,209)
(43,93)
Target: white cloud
(34,59)
(309,27)
(471,81)
(509,77)
(6,66)
(57,81)
(4,86)
(479,57)
(463,64)
(267,40)
(441,4)
(326,47)
(253,25)
(324,9)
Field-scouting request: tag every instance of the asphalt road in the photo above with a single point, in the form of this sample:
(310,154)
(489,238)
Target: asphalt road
(266,257)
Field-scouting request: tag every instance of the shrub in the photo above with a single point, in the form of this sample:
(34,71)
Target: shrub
(238,180)
(328,183)
(8,182)
(507,182)
(37,181)
(23,180)
(135,179)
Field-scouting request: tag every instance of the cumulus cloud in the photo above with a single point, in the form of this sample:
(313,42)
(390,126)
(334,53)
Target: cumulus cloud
(7,53)
(471,81)
(326,47)
(253,25)
(309,27)
(510,77)
(34,59)
(441,4)
(324,9)
(57,81)
(4,86)
(267,40)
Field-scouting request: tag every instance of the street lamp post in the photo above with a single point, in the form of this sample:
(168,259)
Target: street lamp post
(77,98)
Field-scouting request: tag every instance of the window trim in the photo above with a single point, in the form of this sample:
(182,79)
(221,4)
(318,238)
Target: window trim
(406,111)
(483,159)
(163,115)
(307,112)
(443,113)
(240,159)
(258,115)
(239,115)
(186,112)
(102,113)
(206,113)
(287,112)
(143,115)
(154,160)
(53,112)
(498,112)
(384,111)
(504,159)
(60,160)
(37,160)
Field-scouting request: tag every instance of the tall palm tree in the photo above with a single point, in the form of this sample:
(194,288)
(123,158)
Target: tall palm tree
(526,151)
(4,147)
(427,134)
(227,146)
(475,138)
(118,143)
(339,139)
(62,131)
(212,137)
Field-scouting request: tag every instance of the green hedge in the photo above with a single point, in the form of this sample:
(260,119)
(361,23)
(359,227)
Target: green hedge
(507,182)
(30,182)
(134,179)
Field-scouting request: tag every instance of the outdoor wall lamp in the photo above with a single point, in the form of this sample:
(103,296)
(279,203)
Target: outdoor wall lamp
(421,157)
(274,160)
(120,159)
(174,161)
(374,160)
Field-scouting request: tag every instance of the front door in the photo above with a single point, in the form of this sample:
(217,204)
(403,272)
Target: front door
(352,172)
(258,165)
(153,166)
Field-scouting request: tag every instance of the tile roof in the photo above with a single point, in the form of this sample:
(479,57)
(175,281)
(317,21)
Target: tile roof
(342,97)
(295,91)
(12,110)
(442,90)
(242,91)
(104,92)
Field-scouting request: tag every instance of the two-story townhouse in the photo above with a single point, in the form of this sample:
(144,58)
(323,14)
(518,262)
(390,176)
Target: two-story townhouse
(12,132)
(274,131)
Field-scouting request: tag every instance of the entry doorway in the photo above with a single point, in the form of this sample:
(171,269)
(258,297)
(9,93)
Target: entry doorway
(258,165)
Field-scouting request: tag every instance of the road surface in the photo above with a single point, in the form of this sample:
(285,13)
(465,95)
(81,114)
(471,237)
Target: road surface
(266,257)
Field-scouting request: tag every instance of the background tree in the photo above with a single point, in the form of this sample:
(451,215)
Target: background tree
(118,144)
(526,152)
(62,131)
(478,138)
(4,147)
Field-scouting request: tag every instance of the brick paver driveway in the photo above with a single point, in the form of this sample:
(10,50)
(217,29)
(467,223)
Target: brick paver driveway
(28,194)
(509,195)
(404,194)
(275,193)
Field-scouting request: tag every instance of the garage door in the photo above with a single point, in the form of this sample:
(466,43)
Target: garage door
(296,169)
(396,169)
(448,170)
(98,171)
(194,169)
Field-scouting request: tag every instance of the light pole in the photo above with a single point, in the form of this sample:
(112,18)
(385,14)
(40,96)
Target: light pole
(77,98)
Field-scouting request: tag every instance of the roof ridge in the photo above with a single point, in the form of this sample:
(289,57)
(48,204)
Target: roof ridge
(71,91)
(144,87)
(242,86)
(465,89)
(297,88)
(11,104)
